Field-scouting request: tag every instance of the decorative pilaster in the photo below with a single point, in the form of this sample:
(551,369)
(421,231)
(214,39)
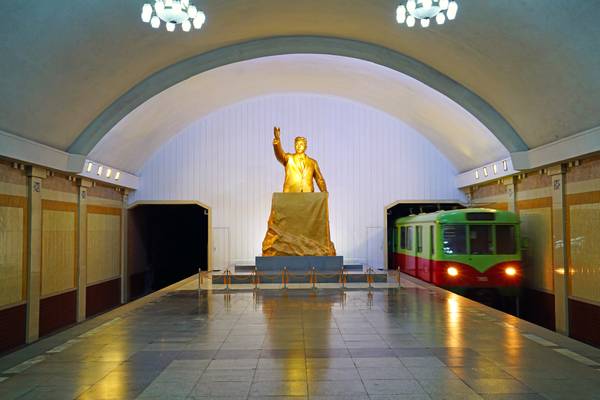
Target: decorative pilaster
(511,198)
(84,185)
(124,268)
(35,176)
(560,249)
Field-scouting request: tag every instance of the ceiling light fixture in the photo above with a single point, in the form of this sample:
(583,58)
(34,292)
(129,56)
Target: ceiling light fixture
(173,13)
(426,10)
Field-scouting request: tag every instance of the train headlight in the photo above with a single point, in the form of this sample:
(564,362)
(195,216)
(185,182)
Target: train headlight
(452,271)
(510,271)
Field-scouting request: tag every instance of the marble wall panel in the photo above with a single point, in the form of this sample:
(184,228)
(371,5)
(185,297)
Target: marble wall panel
(12,250)
(536,232)
(103,244)
(584,230)
(58,247)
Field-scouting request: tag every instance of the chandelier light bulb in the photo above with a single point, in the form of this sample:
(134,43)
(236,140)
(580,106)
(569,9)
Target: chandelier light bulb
(155,22)
(146,17)
(176,7)
(452,10)
(444,4)
(411,6)
(199,20)
(425,23)
(401,14)
(426,3)
(192,11)
(410,21)
(170,26)
(159,7)
(186,25)
(185,3)
(168,3)
(440,18)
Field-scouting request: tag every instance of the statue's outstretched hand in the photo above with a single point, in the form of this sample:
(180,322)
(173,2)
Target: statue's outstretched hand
(276,132)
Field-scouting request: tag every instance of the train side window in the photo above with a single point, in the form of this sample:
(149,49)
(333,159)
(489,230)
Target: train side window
(481,240)
(454,239)
(409,238)
(505,239)
(419,239)
(403,237)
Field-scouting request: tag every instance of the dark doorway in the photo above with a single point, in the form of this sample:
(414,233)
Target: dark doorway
(166,243)
(403,209)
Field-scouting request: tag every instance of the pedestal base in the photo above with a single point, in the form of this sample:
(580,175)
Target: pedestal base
(300,264)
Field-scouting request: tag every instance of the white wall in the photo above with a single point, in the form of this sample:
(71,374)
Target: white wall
(369,160)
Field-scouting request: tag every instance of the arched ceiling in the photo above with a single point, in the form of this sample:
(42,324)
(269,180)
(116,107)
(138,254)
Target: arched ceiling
(459,136)
(535,63)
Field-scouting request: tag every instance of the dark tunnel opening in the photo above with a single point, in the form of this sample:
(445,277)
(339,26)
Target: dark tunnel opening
(166,243)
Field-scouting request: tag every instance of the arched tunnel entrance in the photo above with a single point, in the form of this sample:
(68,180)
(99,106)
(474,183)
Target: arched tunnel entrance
(166,243)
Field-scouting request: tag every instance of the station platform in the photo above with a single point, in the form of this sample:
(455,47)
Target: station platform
(412,341)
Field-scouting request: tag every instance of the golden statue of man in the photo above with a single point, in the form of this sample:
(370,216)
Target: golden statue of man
(300,169)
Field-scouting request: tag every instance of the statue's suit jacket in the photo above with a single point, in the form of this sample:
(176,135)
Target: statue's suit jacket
(299,171)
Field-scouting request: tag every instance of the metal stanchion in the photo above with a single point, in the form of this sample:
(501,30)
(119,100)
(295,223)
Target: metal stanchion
(227,278)
(370,277)
(255,279)
(342,277)
(284,277)
(314,278)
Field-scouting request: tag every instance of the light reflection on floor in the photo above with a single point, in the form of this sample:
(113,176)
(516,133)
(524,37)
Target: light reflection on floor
(411,342)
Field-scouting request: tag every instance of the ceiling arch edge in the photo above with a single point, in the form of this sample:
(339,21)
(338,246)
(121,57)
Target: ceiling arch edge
(176,73)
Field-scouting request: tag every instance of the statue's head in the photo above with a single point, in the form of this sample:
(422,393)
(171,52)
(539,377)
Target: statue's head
(300,144)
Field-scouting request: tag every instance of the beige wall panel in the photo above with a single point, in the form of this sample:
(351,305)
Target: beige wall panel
(58,251)
(536,231)
(585,251)
(103,247)
(11,255)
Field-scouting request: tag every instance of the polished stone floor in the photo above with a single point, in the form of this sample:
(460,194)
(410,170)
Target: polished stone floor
(412,342)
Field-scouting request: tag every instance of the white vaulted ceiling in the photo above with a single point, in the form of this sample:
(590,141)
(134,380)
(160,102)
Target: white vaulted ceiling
(455,132)
(528,70)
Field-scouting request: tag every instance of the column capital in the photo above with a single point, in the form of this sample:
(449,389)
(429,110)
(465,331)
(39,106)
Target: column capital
(84,183)
(37,172)
(557,169)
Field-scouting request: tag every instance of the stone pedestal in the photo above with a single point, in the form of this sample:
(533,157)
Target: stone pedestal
(298,226)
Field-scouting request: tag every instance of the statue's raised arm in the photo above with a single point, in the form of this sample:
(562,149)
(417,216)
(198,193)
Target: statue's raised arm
(279,153)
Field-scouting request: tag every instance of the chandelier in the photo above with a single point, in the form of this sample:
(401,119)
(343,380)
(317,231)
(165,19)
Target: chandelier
(426,10)
(173,12)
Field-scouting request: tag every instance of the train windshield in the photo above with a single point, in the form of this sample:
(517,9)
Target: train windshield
(481,239)
(505,239)
(454,239)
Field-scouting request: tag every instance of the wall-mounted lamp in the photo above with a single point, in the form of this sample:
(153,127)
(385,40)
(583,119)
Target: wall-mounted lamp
(100,170)
(108,172)
(117,175)
(505,165)
(485,171)
(476,174)
(90,166)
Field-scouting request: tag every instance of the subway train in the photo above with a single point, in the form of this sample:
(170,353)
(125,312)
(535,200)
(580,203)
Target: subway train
(466,250)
